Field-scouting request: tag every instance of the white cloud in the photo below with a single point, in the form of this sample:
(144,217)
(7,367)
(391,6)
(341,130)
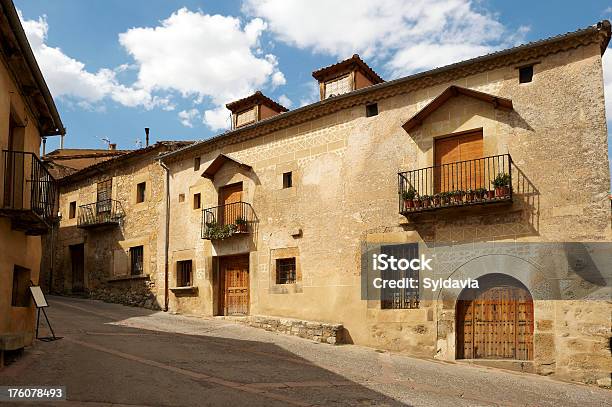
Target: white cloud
(188,116)
(285,101)
(436,32)
(202,56)
(68,77)
(217,118)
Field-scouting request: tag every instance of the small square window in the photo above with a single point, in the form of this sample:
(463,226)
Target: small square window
(141,189)
(285,271)
(181,197)
(184,273)
(72,210)
(197,201)
(21,287)
(137,260)
(372,110)
(196,164)
(287,179)
(526,74)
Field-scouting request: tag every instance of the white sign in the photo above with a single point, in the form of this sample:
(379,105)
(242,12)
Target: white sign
(39,297)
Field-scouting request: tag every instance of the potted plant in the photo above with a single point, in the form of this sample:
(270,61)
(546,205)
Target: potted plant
(480,193)
(425,201)
(436,199)
(408,197)
(502,185)
(241,224)
(457,196)
(445,197)
(469,195)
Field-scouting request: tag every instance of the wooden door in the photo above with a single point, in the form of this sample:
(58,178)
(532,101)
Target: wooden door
(235,285)
(103,200)
(454,165)
(229,198)
(77,258)
(497,324)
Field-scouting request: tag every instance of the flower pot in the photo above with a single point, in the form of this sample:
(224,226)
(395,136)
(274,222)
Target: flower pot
(416,203)
(408,203)
(457,198)
(436,201)
(502,191)
(469,197)
(425,203)
(242,227)
(490,195)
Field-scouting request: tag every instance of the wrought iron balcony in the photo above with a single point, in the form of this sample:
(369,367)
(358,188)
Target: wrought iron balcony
(482,181)
(29,192)
(221,222)
(108,212)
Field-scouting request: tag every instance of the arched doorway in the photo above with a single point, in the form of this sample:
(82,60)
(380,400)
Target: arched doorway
(495,321)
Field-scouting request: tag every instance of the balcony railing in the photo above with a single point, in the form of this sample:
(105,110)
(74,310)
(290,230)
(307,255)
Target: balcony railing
(102,213)
(28,192)
(484,180)
(221,222)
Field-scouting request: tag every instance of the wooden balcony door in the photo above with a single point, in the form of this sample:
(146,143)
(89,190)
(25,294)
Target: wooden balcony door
(497,324)
(228,195)
(234,272)
(459,149)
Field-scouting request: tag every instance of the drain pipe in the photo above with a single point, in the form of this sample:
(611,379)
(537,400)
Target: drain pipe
(167,235)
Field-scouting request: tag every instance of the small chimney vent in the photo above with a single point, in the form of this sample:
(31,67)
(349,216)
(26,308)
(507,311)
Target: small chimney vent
(112,146)
(147,136)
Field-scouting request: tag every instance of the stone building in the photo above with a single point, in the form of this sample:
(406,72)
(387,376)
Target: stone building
(109,242)
(27,190)
(496,168)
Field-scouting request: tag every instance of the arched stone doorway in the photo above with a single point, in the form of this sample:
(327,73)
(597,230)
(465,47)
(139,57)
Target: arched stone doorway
(495,321)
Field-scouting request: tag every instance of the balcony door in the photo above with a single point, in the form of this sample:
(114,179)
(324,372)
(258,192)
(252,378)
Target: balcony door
(103,199)
(14,166)
(454,168)
(229,198)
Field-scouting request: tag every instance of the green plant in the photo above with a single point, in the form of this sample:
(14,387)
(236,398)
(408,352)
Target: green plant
(214,231)
(501,180)
(409,194)
(240,221)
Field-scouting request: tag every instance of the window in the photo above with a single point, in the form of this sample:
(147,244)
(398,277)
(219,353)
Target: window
(197,201)
(338,86)
(181,197)
(141,189)
(136,260)
(196,164)
(526,74)
(21,283)
(372,109)
(72,210)
(285,271)
(400,298)
(103,196)
(287,179)
(184,273)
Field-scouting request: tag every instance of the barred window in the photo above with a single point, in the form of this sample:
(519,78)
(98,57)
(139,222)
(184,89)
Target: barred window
(400,298)
(184,273)
(285,271)
(136,260)
(338,86)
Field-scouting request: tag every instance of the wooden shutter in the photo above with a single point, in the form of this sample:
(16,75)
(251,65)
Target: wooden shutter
(457,162)
(246,117)
(338,86)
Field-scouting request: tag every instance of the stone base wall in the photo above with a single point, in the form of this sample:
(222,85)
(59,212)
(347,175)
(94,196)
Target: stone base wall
(132,296)
(315,331)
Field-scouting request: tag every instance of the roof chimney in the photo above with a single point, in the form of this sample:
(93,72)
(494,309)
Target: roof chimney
(147,136)
(345,76)
(253,109)
(112,146)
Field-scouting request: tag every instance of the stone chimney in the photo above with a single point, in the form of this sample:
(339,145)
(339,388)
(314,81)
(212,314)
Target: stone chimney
(112,146)
(345,76)
(252,109)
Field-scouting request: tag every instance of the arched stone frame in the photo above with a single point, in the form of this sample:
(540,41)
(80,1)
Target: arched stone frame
(528,274)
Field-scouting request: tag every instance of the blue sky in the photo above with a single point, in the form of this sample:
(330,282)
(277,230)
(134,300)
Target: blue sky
(116,67)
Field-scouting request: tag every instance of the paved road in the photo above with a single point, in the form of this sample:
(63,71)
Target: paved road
(116,355)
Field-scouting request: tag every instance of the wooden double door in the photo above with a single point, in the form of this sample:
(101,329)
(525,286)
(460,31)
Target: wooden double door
(496,324)
(458,162)
(234,285)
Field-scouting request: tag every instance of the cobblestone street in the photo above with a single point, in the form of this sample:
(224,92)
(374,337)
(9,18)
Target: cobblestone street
(116,355)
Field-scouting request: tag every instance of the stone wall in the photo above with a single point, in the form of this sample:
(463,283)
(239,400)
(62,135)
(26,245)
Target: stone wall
(332,334)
